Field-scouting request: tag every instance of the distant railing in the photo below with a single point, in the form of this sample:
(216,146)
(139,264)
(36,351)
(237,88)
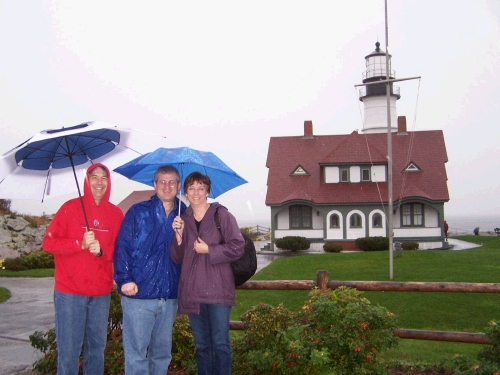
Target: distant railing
(465,232)
(259,230)
(393,286)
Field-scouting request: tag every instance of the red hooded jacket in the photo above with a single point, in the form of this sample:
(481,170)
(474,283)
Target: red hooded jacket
(78,271)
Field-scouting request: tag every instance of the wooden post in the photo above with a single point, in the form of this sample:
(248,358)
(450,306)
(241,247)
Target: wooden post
(322,279)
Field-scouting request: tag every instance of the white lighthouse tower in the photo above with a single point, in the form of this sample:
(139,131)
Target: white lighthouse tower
(374,96)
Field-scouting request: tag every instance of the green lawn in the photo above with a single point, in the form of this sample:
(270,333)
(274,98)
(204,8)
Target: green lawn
(4,294)
(463,312)
(40,272)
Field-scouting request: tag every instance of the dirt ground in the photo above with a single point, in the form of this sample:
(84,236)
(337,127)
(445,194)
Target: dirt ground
(417,372)
(393,372)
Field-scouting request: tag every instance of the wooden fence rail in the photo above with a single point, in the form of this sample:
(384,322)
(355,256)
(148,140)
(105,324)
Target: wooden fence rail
(391,286)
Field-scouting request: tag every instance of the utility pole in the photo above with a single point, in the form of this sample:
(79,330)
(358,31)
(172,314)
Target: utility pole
(378,79)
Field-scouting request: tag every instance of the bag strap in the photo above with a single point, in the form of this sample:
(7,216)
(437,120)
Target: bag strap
(217,224)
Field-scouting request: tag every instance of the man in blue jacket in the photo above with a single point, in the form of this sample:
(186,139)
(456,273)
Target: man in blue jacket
(147,278)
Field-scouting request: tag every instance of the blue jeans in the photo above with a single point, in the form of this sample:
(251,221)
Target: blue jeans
(211,337)
(147,334)
(81,320)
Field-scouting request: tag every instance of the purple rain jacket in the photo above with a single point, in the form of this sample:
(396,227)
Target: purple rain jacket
(207,278)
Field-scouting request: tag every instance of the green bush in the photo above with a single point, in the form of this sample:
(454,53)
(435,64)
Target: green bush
(293,243)
(409,245)
(249,233)
(372,243)
(31,261)
(14,264)
(332,248)
(183,347)
(336,330)
(488,359)
(491,353)
(5,205)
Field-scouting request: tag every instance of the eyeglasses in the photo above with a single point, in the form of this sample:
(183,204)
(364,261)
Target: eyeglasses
(169,183)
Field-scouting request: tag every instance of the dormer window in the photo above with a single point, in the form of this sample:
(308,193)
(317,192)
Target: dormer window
(299,171)
(365,174)
(333,174)
(412,167)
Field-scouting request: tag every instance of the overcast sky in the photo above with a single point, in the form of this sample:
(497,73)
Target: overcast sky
(225,76)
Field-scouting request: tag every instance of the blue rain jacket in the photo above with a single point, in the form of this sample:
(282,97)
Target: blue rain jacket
(142,250)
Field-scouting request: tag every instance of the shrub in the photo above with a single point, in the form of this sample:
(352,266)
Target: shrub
(410,245)
(293,243)
(463,365)
(249,233)
(38,259)
(31,261)
(182,343)
(492,353)
(259,349)
(336,330)
(488,359)
(332,248)
(372,243)
(5,205)
(14,264)
(45,342)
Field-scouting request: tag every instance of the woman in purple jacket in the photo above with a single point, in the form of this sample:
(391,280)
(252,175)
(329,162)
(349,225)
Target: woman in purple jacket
(206,287)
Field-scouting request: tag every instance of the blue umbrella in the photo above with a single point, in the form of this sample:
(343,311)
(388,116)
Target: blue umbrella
(44,165)
(186,160)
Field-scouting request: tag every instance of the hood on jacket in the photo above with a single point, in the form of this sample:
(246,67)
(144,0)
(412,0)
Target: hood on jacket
(87,191)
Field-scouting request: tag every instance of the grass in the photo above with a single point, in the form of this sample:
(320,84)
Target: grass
(39,272)
(462,312)
(4,294)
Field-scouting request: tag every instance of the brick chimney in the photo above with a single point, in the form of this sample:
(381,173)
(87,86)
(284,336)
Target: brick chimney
(308,129)
(402,125)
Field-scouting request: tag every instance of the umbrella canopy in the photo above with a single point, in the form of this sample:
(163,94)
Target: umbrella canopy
(52,162)
(186,160)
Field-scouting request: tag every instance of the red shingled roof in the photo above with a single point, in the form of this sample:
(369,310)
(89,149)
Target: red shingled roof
(426,149)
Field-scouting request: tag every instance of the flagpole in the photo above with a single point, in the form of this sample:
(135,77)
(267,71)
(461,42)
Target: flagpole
(388,81)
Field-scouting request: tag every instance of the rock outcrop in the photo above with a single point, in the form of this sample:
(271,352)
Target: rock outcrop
(16,233)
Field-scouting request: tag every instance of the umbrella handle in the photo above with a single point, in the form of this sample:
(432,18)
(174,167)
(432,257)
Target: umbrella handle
(83,208)
(180,203)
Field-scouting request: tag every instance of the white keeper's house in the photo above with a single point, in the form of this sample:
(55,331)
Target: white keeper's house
(334,188)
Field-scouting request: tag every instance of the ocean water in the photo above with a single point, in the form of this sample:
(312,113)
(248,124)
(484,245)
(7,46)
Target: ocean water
(466,224)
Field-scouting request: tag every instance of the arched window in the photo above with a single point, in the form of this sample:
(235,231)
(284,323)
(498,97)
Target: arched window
(377,220)
(355,221)
(334,221)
